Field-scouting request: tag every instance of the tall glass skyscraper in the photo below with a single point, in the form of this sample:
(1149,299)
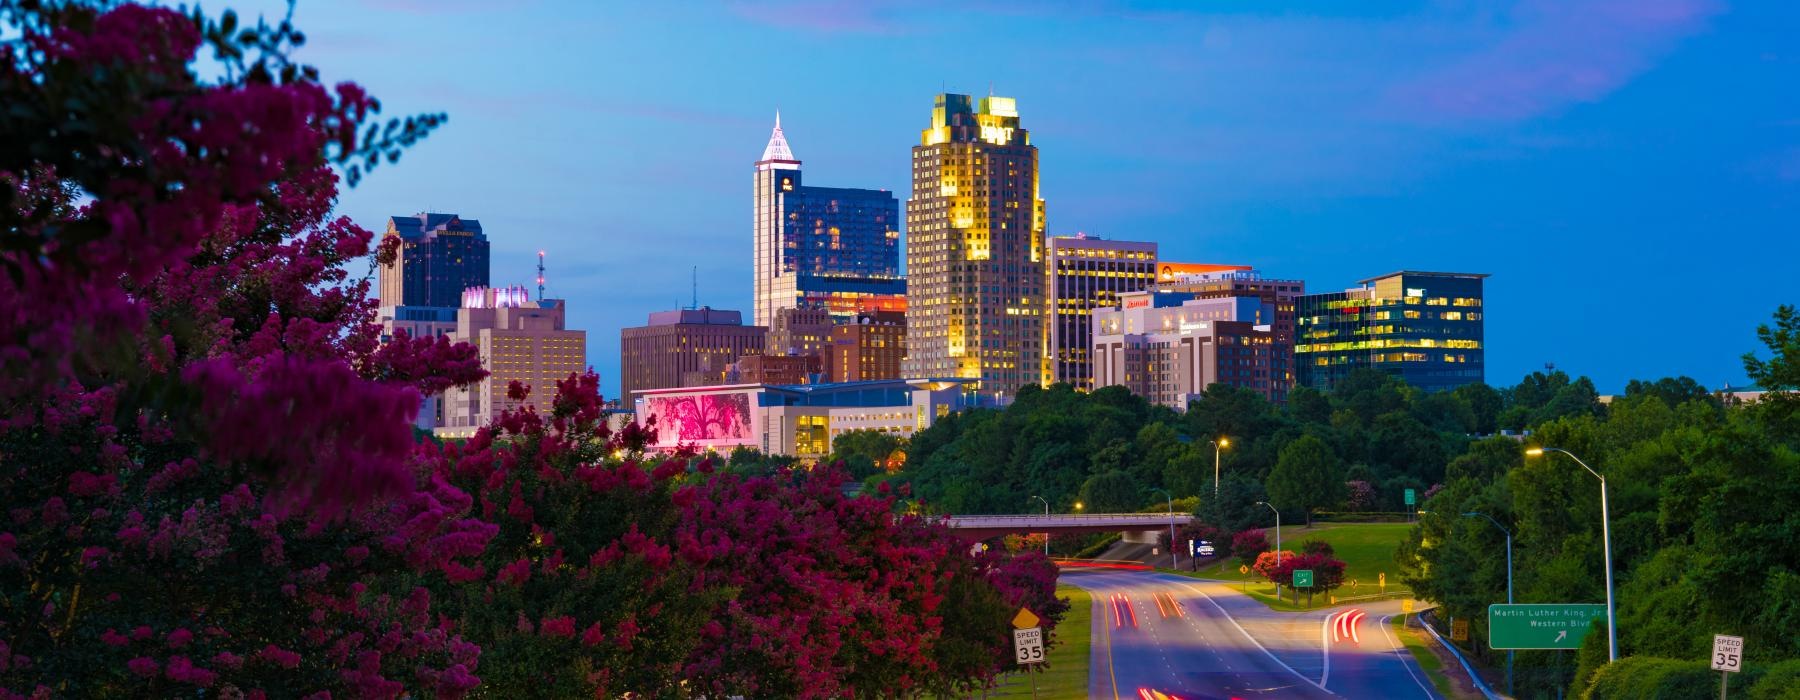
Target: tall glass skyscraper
(833,247)
(1424,327)
(975,248)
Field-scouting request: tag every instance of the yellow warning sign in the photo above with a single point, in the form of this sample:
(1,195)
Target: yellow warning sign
(1242,569)
(1025,620)
(1406,606)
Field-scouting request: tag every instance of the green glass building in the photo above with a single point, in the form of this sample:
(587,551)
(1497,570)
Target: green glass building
(1423,327)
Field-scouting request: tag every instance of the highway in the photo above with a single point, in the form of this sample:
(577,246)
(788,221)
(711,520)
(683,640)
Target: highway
(1201,640)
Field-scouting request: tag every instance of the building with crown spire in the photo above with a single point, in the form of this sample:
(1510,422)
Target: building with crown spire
(826,247)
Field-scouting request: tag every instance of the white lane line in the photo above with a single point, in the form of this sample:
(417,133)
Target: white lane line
(1246,633)
(1400,651)
(1325,649)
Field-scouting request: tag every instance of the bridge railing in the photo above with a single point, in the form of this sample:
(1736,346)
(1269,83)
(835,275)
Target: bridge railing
(1070,517)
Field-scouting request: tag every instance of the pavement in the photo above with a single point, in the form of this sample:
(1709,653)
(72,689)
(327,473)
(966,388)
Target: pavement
(1203,640)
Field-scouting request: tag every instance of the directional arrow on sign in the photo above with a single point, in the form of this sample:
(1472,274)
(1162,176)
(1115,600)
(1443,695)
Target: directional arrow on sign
(1561,636)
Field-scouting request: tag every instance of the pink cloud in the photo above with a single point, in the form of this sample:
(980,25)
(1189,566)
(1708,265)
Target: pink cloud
(1554,54)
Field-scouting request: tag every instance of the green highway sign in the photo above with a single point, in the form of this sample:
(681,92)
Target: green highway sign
(1303,578)
(1547,626)
(1411,498)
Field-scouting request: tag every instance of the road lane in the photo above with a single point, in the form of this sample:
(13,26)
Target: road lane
(1201,640)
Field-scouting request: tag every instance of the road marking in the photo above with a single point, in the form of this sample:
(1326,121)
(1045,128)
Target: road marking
(1246,633)
(1325,649)
(1110,671)
(1400,651)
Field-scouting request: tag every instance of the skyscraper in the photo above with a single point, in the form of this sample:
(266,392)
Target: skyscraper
(1423,327)
(975,248)
(440,256)
(834,247)
(1086,274)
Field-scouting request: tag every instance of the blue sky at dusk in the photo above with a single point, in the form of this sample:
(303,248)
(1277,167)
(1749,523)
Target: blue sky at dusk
(1628,172)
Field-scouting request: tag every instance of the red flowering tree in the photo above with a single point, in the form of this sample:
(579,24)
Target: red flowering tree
(194,403)
(1249,545)
(210,483)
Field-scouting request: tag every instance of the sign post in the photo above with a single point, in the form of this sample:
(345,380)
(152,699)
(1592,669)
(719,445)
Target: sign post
(1028,642)
(1406,608)
(1541,626)
(1727,658)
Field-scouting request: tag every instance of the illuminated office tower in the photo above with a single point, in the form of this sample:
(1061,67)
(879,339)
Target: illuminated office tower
(1423,327)
(1088,273)
(975,249)
(832,247)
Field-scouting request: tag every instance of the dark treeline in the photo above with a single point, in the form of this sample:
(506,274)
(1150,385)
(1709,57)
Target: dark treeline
(1705,512)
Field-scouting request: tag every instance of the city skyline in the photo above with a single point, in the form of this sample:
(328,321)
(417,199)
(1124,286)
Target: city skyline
(1225,152)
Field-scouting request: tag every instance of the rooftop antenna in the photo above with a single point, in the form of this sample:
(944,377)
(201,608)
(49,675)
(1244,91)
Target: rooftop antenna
(540,275)
(696,288)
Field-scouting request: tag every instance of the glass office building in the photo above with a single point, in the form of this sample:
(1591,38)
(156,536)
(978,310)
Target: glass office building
(1423,327)
(831,246)
(440,256)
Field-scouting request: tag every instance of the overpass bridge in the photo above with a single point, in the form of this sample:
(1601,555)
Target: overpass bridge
(981,527)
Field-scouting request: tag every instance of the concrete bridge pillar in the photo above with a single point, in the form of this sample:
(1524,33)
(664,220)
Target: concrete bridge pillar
(1142,536)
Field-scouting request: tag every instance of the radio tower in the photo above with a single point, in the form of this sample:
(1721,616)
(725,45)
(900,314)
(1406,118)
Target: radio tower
(540,275)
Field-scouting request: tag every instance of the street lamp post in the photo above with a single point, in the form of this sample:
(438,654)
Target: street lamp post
(1046,524)
(1219,444)
(1612,623)
(1174,561)
(1509,588)
(1277,541)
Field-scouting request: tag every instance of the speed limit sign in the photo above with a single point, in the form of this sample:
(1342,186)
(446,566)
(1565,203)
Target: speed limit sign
(1028,645)
(1728,653)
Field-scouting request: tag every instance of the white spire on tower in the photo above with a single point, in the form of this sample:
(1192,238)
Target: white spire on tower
(778,145)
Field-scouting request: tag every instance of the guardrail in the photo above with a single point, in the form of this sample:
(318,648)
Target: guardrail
(1073,517)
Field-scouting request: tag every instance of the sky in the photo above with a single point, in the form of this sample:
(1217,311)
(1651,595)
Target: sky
(1628,171)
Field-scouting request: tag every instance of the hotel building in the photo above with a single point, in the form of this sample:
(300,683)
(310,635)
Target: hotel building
(1206,281)
(1088,273)
(519,340)
(1423,327)
(975,248)
(1168,347)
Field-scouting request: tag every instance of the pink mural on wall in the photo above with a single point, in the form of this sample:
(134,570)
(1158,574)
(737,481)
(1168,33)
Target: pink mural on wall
(704,419)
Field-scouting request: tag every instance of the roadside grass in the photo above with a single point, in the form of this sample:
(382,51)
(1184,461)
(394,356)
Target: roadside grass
(1066,673)
(1420,646)
(1367,550)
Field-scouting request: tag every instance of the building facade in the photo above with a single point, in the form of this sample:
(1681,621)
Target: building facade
(1168,347)
(800,330)
(869,347)
(1423,327)
(833,246)
(795,420)
(776,369)
(439,256)
(975,248)
(1085,274)
(691,344)
(519,340)
(1207,281)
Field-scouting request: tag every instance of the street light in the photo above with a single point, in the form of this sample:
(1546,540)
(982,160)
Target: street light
(1046,523)
(1174,562)
(1509,586)
(1219,444)
(1612,623)
(1078,505)
(1277,530)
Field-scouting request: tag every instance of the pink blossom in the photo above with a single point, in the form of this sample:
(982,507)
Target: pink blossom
(143,666)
